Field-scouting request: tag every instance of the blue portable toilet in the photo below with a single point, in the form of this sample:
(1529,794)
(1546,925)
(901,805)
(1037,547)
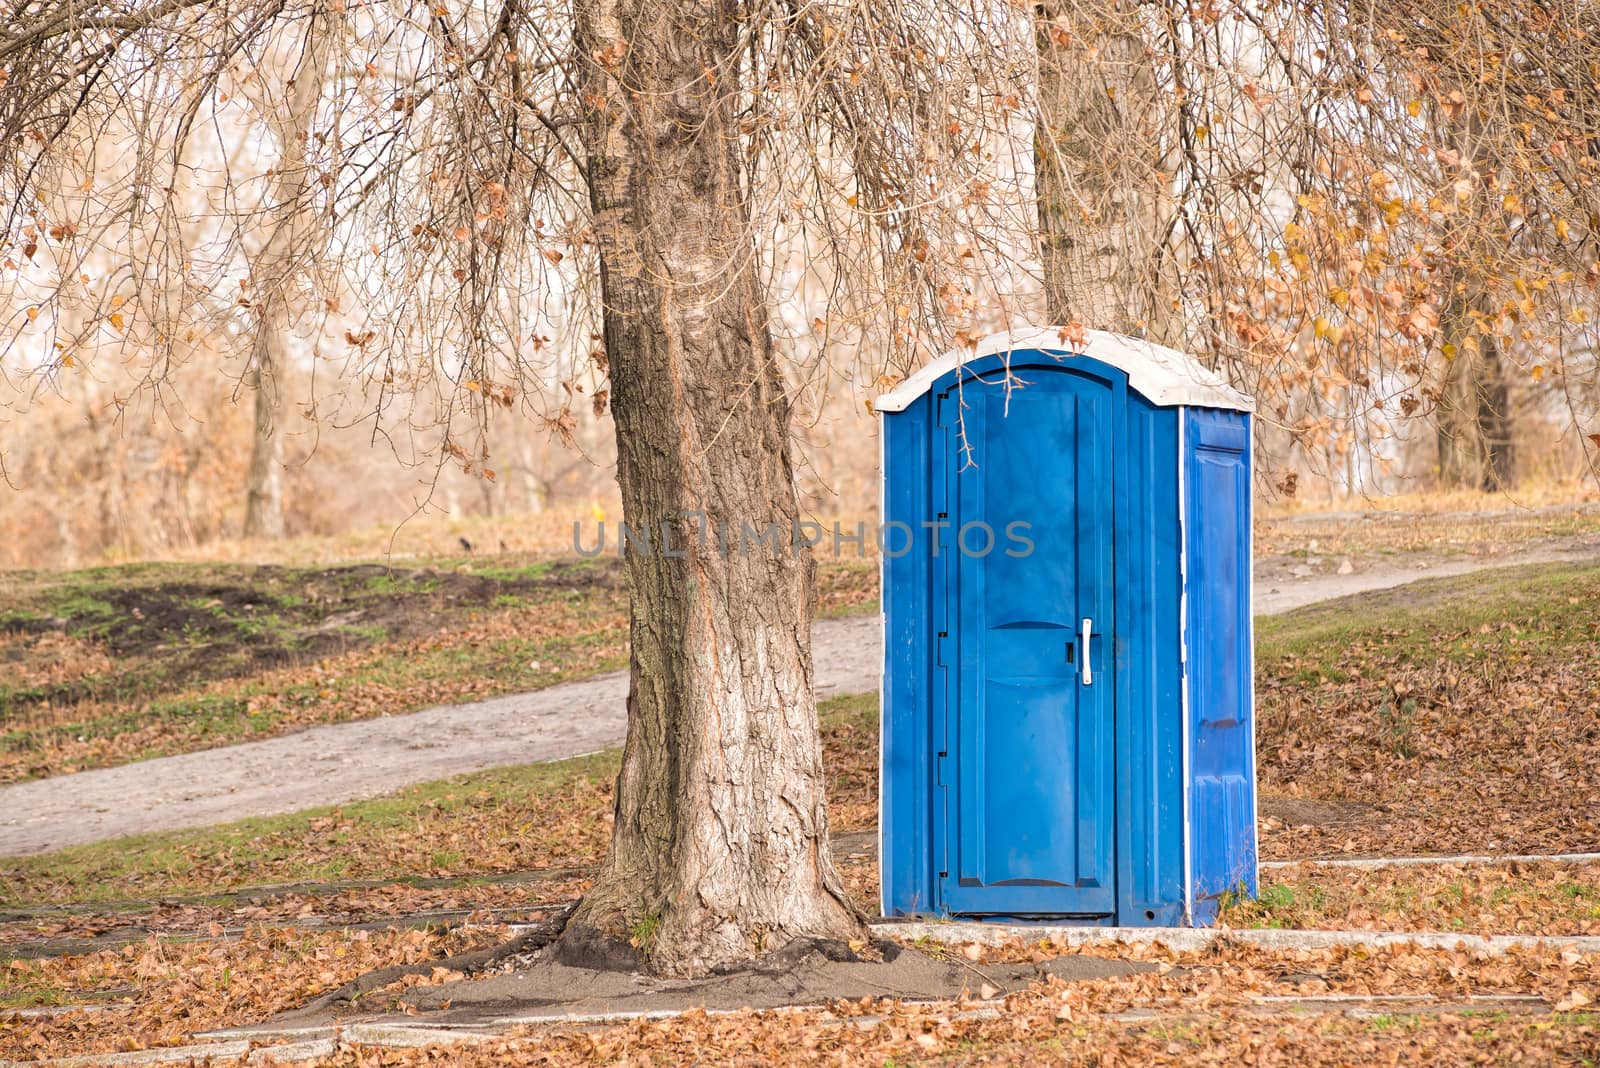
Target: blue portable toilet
(1068,720)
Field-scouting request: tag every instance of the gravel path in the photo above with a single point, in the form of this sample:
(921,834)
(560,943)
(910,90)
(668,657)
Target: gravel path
(345,761)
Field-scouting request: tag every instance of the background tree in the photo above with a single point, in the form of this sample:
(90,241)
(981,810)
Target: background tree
(1376,221)
(289,106)
(1104,173)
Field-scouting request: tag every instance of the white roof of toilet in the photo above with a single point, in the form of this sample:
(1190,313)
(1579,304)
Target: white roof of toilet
(1165,377)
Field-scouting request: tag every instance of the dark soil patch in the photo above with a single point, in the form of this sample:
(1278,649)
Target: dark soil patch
(808,973)
(181,625)
(1300,811)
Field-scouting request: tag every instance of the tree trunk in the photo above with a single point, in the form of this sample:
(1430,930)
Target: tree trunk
(1103,194)
(263,512)
(720,849)
(275,269)
(1472,421)
(535,491)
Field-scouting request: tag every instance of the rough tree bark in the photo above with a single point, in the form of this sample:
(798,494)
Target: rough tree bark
(1103,192)
(274,273)
(720,849)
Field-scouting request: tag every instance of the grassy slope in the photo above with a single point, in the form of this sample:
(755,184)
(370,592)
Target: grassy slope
(1401,528)
(1459,714)
(516,818)
(1382,702)
(110,665)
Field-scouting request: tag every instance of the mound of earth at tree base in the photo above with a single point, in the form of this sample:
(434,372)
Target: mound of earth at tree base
(597,980)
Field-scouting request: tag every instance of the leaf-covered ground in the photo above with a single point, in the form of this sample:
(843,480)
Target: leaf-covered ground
(1513,897)
(1212,1007)
(116,664)
(1208,1003)
(224,969)
(158,993)
(1229,1004)
(1451,715)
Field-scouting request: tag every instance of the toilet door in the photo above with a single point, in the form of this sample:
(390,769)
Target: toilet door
(1024,792)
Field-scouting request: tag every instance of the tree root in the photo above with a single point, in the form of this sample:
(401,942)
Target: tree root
(470,963)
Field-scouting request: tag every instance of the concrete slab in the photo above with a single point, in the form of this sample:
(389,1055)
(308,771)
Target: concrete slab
(411,1036)
(164,1055)
(46,1011)
(290,1052)
(267,1032)
(1374,863)
(1188,939)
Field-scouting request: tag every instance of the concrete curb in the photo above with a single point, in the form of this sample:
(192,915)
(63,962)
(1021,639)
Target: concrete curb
(1190,939)
(63,1010)
(163,1055)
(290,1052)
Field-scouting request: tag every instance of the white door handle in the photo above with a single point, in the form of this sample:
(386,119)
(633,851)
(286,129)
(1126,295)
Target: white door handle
(1088,675)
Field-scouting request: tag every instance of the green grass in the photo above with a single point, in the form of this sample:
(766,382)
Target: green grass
(188,863)
(178,657)
(221,719)
(528,573)
(33,992)
(1279,905)
(1495,1021)
(398,584)
(1533,610)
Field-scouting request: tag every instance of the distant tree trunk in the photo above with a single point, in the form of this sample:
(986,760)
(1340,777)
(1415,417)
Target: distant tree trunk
(110,472)
(263,513)
(1102,191)
(1472,422)
(720,848)
(274,274)
(535,491)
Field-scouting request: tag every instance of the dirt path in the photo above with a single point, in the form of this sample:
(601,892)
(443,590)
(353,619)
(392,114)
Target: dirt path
(366,758)
(1279,589)
(342,762)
